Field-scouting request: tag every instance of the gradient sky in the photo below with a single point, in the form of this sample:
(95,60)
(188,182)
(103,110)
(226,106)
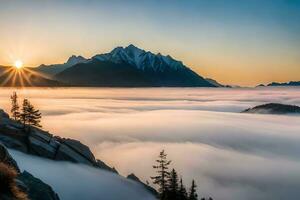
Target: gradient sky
(243,42)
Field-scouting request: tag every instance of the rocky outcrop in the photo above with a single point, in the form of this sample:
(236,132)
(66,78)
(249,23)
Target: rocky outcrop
(36,189)
(7,159)
(147,187)
(24,182)
(37,142)
(102,165)
(274,108)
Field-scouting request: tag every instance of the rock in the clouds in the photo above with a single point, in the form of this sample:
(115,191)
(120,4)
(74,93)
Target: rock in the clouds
(274,108)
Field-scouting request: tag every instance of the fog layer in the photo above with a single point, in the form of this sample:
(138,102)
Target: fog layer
(232,156)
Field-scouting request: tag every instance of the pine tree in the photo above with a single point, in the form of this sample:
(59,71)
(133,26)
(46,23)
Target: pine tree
(15,106)
(29,115)
(172,186)
(34,116)
(193,193)
(24,114)
(162,174)
(182,191)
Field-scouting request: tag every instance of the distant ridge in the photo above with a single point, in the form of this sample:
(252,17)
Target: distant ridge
(217,84)
(51,70)
(274,84)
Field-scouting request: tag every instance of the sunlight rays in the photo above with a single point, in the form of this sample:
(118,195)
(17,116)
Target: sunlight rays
(17,77)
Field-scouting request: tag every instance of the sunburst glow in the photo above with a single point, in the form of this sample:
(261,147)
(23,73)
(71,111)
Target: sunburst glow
(18,64)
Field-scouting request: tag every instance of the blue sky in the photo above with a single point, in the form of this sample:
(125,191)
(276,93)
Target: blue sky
(228,40)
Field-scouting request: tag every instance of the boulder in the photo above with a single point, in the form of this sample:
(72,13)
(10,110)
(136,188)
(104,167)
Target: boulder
(40,148)
(65,153)
(80,148)
(13,143)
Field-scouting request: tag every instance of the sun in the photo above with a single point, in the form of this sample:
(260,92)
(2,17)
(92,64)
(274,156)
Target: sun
(18,64)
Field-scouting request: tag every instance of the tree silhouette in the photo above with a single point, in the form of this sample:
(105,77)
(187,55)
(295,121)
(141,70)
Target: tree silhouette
(169,187)
(15,106)
(182,191)
(162,174)
(193,193)
(24,114)
(173,186)
(29,115)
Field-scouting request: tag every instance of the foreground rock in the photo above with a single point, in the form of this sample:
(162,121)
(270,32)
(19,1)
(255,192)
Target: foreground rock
(274,108)
(40,143)
(147,187)
(34,188)
(37,142)
(37,189)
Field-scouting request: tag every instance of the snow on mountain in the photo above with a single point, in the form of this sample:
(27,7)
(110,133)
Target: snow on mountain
(140,59)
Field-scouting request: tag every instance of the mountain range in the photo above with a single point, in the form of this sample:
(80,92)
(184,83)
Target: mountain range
(290,83)
(125,67)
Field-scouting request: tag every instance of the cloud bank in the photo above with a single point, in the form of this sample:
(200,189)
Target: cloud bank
(232,156)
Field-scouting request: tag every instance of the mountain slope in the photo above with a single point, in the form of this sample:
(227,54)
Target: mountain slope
(102,73)
(217,84)
(131,66)
(10,77)
(51,70)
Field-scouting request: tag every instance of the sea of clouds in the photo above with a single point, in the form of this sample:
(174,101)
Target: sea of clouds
(231,155)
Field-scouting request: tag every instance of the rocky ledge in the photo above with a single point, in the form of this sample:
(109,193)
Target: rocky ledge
(32,140)
(274,108)
(35,141)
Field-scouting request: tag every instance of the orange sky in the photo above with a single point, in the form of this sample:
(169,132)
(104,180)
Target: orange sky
(230,43)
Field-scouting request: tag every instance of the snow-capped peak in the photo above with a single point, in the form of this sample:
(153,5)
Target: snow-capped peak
(140,58)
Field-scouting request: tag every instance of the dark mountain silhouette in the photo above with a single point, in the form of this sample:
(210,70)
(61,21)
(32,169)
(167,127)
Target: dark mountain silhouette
(274,84)
(291,83)
(51,70)
(132,67)
(216,83)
